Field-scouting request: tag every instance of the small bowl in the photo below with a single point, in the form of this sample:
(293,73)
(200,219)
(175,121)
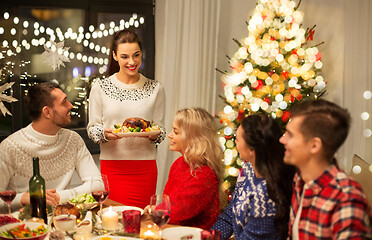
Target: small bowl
(31,225)
(64,222)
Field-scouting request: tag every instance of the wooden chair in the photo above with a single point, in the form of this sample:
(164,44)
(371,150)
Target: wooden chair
(364,177)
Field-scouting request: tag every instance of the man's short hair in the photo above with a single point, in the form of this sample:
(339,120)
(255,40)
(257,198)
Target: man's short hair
(325,120)
(39,96)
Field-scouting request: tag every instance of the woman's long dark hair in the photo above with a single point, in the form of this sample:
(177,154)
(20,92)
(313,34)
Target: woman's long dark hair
(123,36)
(262,133)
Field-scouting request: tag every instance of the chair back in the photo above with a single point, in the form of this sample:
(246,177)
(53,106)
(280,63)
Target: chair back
(364,177)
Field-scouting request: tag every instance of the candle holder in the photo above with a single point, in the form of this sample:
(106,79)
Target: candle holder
(109,224)
(132,222)
(150,232)
(110,220)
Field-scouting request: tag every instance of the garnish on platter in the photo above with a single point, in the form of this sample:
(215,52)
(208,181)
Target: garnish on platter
(186,237)
(136,127)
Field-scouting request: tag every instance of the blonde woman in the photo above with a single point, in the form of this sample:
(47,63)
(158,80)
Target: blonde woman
(194,182)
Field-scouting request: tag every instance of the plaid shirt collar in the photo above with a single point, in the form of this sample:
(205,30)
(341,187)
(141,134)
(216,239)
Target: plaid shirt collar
(318,184)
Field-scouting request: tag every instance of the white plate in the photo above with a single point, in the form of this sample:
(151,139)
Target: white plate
(138,134)
(176,233)
(120,209)
(115,238)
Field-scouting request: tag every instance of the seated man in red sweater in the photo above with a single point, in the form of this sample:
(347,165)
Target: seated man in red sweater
(326,202)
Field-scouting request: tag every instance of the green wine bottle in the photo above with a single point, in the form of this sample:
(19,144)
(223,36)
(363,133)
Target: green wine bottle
(37,193)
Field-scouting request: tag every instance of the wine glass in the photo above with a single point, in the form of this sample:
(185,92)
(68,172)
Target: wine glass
(160,210)
(10,193)
(7,196)
(101,195)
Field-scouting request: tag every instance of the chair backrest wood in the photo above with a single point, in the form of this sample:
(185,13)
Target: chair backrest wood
(364,177)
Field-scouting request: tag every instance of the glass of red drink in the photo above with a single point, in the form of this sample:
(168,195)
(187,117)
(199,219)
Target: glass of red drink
(8,196)
(132,221)
(101,195)
(159,210)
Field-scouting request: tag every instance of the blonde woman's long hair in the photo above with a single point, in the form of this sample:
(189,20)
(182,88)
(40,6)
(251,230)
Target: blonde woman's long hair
(200,143)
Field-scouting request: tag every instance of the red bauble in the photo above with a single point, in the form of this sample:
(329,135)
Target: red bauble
(286,115)
(318,56)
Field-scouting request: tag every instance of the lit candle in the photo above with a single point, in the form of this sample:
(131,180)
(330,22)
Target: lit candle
(110,219)
(150,232)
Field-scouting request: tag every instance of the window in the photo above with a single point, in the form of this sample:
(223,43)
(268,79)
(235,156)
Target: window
(77,34)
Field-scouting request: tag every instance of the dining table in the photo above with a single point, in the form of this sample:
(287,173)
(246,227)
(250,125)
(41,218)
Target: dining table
(145,219)
(146,224)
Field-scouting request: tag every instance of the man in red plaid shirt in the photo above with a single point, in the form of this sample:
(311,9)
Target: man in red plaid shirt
(326,202)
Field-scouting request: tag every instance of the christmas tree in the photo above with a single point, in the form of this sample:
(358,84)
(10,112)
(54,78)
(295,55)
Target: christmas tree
(274,68)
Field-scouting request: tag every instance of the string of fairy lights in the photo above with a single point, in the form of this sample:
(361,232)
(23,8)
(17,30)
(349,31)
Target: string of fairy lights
(22,35)
(367,132)
(42,35)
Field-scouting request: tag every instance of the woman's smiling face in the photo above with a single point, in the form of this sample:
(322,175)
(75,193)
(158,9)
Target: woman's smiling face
(176,139)
(129,58)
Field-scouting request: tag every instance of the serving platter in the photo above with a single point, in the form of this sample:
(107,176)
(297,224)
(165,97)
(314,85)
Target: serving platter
(137,134)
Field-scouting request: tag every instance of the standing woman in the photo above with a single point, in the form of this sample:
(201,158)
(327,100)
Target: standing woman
(128,162)
(259,208)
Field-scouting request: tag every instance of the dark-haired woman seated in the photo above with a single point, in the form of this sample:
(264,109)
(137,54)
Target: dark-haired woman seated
(259,208)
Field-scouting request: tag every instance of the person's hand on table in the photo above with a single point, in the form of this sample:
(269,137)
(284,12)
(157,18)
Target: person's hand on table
(52,198)
(147,209)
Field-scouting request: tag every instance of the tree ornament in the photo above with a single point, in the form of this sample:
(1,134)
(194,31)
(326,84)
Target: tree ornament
(54,55)
(6,98)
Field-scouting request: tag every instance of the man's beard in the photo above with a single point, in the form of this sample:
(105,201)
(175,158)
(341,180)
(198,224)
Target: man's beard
(61,121)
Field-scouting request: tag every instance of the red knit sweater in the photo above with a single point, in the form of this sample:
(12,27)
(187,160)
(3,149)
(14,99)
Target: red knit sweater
(194,196)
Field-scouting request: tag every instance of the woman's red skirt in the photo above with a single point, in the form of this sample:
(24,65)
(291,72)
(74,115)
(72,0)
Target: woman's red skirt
(131,182)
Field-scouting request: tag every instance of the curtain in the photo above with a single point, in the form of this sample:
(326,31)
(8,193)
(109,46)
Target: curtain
(357,76)
(185,60)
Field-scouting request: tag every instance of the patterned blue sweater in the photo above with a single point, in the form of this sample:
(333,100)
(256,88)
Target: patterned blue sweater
(250,213)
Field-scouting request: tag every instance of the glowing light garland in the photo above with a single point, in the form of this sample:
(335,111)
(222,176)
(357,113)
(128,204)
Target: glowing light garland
(48,37)
(79,36)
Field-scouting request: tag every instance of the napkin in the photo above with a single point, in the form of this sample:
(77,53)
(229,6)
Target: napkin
(86,228)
